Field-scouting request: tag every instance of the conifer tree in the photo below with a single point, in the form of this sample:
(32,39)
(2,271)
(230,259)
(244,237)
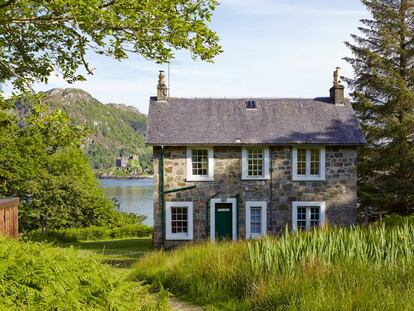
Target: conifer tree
(383,98)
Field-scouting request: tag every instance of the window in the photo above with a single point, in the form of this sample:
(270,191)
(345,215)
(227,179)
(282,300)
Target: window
(179,220)
(308,163)
(255,163)
(255,219)
(200,164)
(307,215)
(251,104)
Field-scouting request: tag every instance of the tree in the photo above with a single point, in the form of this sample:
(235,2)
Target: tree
(39,37)
(42,163)
(40,156)
(383,98)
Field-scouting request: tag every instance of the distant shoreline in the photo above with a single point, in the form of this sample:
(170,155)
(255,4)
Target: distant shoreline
(126,177)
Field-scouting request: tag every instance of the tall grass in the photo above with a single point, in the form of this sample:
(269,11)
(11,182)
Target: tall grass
(35,276)
(330,269)
(377,246)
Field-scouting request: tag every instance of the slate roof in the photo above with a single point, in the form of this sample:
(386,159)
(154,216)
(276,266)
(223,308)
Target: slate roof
(226,121)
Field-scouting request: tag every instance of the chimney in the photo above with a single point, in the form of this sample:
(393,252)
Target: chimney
(162,89)
(337,90)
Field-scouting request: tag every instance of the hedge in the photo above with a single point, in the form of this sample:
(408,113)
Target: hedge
(92,233)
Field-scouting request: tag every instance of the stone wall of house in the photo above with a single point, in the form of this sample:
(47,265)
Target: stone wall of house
(338,190)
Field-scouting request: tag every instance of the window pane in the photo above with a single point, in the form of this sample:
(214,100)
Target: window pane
(200,162)
(256,220)
(308,215)
(301,162)
(255,159)
(314,216)
(179,219)
(314,162)
(301,219)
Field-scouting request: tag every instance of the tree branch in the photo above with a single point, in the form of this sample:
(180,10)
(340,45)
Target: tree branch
(40,19)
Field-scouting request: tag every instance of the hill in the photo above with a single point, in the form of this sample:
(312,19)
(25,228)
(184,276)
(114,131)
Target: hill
(117,129)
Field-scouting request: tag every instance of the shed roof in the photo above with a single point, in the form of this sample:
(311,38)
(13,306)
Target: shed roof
(226,121)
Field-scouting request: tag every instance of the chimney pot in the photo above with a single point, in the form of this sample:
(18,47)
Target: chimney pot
(337,91)
(162,89)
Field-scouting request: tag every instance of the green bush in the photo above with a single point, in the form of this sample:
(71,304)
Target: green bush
(398,220)
(329,269)
(131,231)
(35,276)
(92,233)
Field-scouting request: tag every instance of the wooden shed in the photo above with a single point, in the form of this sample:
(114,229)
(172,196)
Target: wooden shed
(9,221)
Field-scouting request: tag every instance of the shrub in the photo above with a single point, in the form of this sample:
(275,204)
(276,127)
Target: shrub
(35,276)
(92,233)
(329,269)
(131,231)
(398,220)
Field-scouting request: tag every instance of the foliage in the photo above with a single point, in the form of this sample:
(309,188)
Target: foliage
(91,233)
(329,269)
(398,220)
(115,129)
(43,37)
(383,95)
(41,163)
(35,276)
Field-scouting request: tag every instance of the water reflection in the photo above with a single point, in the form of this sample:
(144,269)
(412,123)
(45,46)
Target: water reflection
(134,195)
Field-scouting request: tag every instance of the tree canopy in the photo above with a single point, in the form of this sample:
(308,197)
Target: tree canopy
(40,156)
(383,98)
(42,163)
(40,37)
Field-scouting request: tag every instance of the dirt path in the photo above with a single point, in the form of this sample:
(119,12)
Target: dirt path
(178,305)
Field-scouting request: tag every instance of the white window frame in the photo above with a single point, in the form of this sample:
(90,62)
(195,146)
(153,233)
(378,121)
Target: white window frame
(263,206)
(190,176)
(213,217)
(245,165)
(308,176)
(168,229)
(297,204)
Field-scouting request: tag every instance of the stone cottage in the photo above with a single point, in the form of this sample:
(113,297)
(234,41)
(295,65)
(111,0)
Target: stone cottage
(240,168)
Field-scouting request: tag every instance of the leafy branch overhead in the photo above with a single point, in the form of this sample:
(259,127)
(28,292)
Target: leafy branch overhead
(38,38)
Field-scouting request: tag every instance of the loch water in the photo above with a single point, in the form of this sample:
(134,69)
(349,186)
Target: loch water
(133,195)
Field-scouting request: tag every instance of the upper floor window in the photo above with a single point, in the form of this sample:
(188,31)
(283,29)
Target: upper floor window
(307,215)
(255,163)
(308,163)
(200,164)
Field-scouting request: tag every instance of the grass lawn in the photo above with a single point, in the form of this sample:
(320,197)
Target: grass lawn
(122,253)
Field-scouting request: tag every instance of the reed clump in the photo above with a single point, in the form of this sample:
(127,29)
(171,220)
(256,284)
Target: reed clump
(367,268)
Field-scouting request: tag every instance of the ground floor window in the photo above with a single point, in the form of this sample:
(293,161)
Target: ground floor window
(255,219)
(179,220)
(307,215)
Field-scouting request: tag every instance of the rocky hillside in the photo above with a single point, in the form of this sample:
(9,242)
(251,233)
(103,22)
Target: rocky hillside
(117,129)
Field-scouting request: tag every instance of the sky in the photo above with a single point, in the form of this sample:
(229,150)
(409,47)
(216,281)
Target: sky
(272,48)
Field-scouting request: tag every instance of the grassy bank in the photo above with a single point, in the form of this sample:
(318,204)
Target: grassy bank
(331,269)
(36,276)
(121,253)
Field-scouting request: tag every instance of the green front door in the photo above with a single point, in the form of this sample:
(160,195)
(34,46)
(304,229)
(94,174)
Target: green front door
(223,221)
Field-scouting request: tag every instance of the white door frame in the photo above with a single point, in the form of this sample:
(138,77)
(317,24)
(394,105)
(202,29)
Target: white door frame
(213,203)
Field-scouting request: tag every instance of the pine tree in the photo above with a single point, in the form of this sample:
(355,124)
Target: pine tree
(383,98)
